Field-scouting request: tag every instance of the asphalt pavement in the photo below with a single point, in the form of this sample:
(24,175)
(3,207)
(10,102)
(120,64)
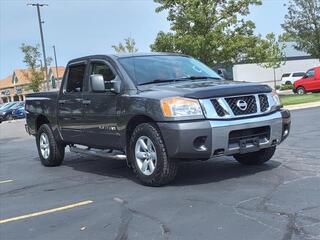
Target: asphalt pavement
(93,198)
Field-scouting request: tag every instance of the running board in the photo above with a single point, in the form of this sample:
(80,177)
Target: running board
(117,155)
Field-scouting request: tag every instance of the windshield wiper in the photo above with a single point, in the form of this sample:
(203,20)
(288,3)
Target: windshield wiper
(178,79)
(200,77)
(161,81)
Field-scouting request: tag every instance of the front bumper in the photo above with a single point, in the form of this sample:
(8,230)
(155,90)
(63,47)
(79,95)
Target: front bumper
(211,138)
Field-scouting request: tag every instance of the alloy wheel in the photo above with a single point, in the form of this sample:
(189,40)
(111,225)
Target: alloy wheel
(146,156)
(44,145)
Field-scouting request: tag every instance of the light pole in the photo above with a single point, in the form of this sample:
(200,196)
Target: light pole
(55,60)
(38,5)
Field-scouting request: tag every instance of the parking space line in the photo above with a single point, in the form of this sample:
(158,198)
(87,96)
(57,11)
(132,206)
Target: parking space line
(35,214)
(6,181)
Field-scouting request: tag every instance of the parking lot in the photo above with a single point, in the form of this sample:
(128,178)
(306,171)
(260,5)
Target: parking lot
(94,198)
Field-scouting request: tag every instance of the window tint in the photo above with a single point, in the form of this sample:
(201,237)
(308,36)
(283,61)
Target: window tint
(310,73)
(286,75)
(146,69)
(298,74)
(75,78)
(105,71)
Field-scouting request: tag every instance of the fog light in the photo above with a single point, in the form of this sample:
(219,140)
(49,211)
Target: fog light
(199,143)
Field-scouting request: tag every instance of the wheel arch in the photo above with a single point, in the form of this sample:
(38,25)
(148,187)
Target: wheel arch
(132,124)
(40,120)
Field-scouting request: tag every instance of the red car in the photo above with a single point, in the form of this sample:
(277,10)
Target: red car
(309,83)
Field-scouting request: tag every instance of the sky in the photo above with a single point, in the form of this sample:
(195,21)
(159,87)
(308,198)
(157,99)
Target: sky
(83,27)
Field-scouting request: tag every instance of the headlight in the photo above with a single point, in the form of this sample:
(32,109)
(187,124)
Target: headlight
(276,98)
(181,107)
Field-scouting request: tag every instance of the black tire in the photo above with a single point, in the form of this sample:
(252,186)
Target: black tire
(165,169)
(56,149)
(256,158)
(9,117)
(301,90)
(288,83)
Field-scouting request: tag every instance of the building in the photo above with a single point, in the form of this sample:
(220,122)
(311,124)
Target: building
(295,61)
(16,86)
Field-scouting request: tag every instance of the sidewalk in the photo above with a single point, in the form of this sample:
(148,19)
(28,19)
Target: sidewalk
(302,105)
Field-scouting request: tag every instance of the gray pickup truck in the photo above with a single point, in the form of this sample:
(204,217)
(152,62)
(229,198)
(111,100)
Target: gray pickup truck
(155,110)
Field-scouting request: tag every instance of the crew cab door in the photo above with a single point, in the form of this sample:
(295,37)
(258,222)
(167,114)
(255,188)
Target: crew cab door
(70,108)
(100,109)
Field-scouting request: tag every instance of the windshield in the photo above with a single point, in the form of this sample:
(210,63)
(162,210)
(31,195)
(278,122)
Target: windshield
(147,69)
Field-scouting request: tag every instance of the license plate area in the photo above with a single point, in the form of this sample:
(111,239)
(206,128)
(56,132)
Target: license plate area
(249,140)
(249,144)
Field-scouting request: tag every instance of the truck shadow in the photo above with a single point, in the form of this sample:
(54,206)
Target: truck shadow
(220,169)
(189,173)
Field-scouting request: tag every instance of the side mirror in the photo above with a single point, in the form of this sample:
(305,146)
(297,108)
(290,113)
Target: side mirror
(97,83)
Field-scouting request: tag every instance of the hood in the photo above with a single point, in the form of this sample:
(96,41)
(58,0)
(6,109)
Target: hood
(201,89)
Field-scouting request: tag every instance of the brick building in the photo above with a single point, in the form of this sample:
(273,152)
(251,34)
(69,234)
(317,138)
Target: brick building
(16,86)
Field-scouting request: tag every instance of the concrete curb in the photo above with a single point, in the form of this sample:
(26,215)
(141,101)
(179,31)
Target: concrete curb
(302,106)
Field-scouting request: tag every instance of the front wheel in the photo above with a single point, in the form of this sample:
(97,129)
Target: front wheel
(148,156)
(256,158)
(50,151)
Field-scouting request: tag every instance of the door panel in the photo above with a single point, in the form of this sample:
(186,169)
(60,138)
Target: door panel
(70,107)
(309,81)
(101,120)
(100,109)
(70,113)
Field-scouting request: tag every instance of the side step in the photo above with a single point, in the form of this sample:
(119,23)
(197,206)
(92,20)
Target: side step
(114,154)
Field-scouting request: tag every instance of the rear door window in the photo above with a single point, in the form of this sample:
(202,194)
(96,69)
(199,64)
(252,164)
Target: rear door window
(285,75)
(75,78)
(298,74)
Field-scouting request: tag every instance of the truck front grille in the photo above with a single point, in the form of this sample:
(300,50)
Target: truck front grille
(264,104)
(250,102)
(232,105)
(218,107)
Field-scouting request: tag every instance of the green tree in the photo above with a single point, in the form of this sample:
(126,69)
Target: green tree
(273,54)
(213,31)
(302,24)
(31,58)
(128,46)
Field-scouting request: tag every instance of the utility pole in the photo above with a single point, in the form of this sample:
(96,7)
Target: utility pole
(38,5)
(55,59)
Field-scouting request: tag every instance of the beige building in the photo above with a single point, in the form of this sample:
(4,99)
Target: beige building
(16,86)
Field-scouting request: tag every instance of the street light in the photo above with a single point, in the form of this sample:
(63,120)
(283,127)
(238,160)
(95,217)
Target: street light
(38,5)
(55,60)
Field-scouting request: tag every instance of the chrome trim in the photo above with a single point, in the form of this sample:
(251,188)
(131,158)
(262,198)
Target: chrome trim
(210,112)
(36,98)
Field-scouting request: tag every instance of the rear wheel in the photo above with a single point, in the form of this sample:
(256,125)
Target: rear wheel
(50,151)
(148,156)
(256,158)
(301,90)
(9,117)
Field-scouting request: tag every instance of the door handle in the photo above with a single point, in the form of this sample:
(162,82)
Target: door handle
(86,102)
(62,101)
